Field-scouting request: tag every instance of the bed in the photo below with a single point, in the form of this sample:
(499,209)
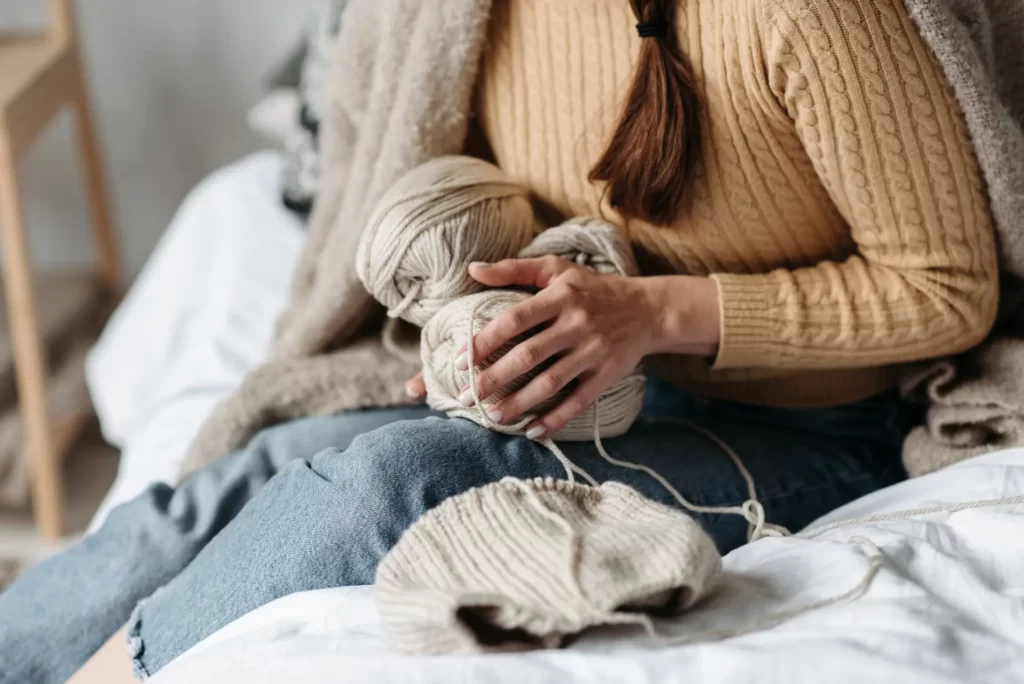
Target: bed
(946,606)
(199,316)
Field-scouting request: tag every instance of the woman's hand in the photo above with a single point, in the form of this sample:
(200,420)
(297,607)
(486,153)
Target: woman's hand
(598,326)
(415,387)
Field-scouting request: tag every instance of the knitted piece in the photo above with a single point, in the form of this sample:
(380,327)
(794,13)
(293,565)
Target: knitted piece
(516,565)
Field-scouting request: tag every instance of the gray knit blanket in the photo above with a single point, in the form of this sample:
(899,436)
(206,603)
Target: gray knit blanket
(399,95)
(976,402)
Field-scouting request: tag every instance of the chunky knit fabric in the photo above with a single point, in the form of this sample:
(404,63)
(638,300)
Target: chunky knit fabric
(838,203)
(523,564)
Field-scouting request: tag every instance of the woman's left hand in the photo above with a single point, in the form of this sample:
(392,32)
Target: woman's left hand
(598,326)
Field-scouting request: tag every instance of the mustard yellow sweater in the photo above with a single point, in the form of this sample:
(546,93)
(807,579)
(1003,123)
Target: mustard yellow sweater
(838,203)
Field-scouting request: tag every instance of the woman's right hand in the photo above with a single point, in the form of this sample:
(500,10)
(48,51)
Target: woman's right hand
(415,388)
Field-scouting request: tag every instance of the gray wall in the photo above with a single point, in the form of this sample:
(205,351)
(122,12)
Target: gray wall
(171,81)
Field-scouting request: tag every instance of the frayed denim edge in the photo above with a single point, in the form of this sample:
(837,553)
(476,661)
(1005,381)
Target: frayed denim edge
(134,642)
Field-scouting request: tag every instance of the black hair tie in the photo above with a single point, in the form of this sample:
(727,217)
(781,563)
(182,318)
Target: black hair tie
(652,29)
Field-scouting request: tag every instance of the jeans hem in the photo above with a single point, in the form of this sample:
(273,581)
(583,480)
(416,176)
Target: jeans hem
(136,647)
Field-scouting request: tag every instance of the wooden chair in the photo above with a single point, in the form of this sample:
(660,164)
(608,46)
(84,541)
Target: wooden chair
(39,76)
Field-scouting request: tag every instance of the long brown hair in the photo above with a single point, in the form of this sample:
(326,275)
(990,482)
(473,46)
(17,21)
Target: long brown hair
(657,141)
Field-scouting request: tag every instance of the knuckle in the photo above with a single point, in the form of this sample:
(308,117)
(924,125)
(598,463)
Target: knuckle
(528,355)
(602,344)
(516,318)
(551,382)
(575,406)
(580,320)
(573,276)
(551,262)
(563,293)
(483,383)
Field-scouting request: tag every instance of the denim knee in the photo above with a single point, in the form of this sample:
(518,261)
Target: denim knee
(398,469)
(408,467)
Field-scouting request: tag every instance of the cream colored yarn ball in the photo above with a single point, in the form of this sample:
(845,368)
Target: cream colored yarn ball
(435,221)
(449,331)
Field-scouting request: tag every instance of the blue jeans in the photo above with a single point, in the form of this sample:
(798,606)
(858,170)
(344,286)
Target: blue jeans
(317,503)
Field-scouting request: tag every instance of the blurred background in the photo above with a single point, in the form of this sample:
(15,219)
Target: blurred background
(170,84)
(173,88)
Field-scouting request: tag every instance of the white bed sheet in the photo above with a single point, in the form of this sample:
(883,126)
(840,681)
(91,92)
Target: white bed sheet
(947,606)
(197,319)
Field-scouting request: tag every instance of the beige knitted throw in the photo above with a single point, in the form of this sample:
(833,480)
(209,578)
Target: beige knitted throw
(399,95)
(976,402)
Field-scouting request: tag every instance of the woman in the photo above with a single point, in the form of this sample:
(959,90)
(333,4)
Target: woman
(796,180)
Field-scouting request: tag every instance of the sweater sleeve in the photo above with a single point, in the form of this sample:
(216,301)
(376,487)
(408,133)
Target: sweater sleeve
(885,134)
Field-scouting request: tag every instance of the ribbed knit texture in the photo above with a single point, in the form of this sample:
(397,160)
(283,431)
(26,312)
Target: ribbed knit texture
(838,201)
(520,564)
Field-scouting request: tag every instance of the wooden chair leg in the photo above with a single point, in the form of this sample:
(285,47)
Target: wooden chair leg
(29,358)
(96,191)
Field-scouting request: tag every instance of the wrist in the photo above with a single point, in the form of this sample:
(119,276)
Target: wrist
(687,314)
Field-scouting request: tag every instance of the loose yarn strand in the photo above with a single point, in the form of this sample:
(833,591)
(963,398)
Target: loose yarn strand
(910,513)
(410,298)
(751,510)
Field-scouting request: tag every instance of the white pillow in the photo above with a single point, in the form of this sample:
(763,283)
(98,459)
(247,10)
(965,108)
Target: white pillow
(274,116)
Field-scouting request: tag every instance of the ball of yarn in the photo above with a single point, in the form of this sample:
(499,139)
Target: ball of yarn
(435,221)
(450,330)
(589,242)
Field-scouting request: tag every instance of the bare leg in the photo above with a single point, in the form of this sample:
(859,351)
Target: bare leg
(109,665)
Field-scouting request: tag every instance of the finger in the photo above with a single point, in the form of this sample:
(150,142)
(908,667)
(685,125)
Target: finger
(415,387)
(537,272)
(525,357)
(547,384)
(586,393)
(513,321)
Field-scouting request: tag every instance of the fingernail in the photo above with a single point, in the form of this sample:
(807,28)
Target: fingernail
(494,415)
(480,264)
(536,432)
(413,393)
(462,362)
(466,398)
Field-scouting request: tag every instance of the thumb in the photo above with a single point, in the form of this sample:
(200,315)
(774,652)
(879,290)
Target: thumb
(415,387)
(528,272)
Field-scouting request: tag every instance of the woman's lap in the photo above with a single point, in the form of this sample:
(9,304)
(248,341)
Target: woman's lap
(60,611)
(328,521)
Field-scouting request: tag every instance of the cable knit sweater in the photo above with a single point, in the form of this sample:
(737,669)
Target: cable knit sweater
(838,203)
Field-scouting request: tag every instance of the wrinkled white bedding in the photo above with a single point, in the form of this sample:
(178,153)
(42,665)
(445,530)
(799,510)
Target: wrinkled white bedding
(197,319)
(947,606)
